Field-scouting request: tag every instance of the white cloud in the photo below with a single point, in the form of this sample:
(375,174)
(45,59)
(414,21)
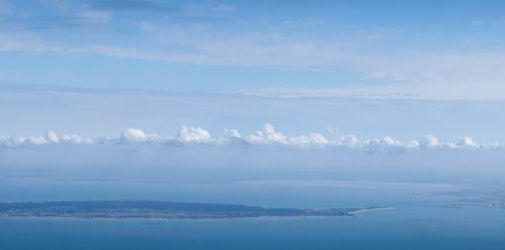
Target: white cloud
(268,135)
(137,135)
(318,139)
(76,139)
(386,141)
(413,144)
(133,134)
(34,140)
(3,138)
(52,137)
(469,142)
(193,135)
(430,141)
(301,141)
(493,145)
(347,140)
(314,139)
(233,133)
(234,136)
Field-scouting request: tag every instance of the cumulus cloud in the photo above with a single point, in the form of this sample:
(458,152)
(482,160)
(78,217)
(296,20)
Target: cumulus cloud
(347,140)
(36,140)
(52,137)
(469,142)
(234,136)
(386,141)
(430,141)
(233,133)
(137,135)
(49,137)
(413,144)
(193,135)
(268,135)
(314,139)
(76,139)
(318,138)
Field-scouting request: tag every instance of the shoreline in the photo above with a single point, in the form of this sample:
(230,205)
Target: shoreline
(124,209)
(366,210)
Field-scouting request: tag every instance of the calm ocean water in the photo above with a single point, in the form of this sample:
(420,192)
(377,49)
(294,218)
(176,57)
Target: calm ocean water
(416,220)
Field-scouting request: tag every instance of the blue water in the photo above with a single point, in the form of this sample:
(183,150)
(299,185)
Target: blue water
(414,222)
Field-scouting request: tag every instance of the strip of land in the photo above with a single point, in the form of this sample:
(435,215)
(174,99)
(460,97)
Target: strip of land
(157,209)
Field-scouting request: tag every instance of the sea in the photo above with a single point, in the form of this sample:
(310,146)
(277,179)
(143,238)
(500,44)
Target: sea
(414,215)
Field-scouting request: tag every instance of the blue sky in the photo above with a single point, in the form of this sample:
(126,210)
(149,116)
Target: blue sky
(427,50)
(397,68)
(345,87)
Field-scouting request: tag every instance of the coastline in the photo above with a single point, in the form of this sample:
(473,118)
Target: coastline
(124,209)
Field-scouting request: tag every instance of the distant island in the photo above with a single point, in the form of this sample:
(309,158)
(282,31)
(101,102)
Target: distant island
(158,209)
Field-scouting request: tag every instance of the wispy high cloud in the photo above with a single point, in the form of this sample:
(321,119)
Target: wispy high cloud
(403,72)
(5,9)
(128,5)
(409,75)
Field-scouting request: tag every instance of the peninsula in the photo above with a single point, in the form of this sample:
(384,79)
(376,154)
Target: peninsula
(157,209)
